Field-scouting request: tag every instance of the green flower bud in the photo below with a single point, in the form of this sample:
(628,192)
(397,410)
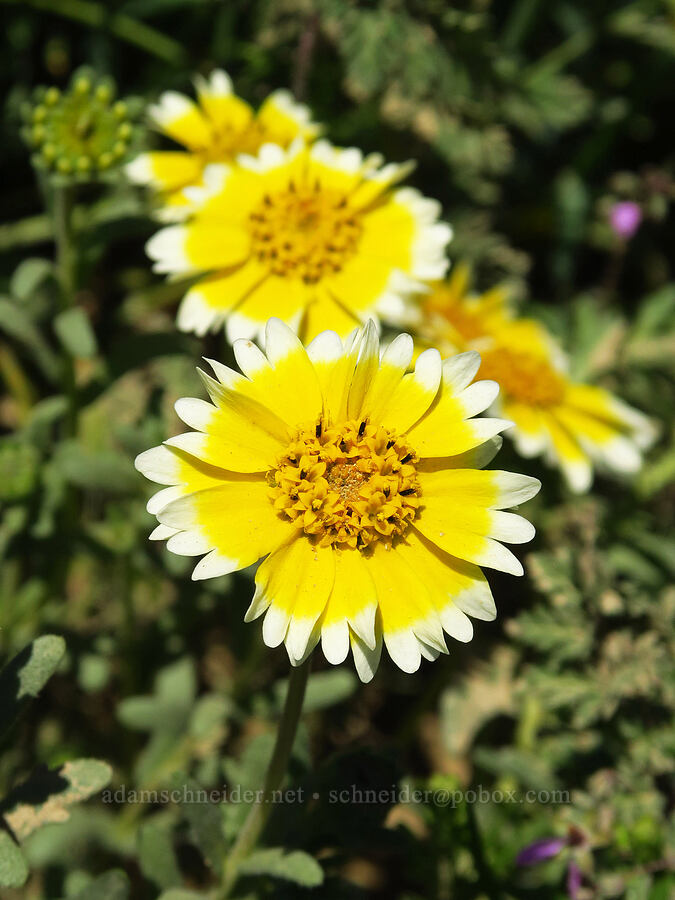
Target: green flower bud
(82,85)
(104,93)
(78,131)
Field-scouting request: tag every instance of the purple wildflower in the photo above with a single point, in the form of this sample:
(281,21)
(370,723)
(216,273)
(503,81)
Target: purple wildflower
(540,850)
(625,218)
(573,880)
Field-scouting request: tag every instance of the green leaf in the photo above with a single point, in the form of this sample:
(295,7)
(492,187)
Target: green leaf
(205,820)
(94,673)
(156,855)
(104,471)
(656,314)
(27,674)
(44,798)
(74,330)
(114,885)
(295,866)
(13,868)
(28,276)
(15,322)
(169,707)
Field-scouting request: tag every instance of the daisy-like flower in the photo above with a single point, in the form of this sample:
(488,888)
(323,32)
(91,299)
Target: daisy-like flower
(215,129)
(576,426)
(362,487)
(317,236)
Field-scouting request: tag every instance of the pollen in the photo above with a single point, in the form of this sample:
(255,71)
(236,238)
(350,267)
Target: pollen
(526,377)
(306,231)
(348,485)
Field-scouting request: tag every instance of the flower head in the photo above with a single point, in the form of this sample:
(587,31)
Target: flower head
(625,218)
(81,132)
(540,850)
(318,236)
(576,426)
(362,487)
(546,848)
(215,129)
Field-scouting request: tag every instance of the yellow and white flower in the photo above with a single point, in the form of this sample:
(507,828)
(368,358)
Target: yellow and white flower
(575,425)
(362,487)
(217,128)
(317,236)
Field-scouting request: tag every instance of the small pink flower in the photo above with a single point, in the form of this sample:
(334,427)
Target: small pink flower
(625,218)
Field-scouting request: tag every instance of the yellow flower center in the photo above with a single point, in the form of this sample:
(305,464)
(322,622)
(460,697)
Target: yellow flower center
(306,232)
(524,376)
(347,485)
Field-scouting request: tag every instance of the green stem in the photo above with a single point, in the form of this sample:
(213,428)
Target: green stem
(64,239)
(260,811)
(66,273)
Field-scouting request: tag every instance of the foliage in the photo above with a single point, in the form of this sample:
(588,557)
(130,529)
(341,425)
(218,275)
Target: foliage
(528,122)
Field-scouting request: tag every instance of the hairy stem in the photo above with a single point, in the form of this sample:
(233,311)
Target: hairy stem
(66,273)
(260,811)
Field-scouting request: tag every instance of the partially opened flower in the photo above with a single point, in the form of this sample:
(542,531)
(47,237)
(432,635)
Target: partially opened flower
(360,485)
(576,425)
(215,129)
(315,235)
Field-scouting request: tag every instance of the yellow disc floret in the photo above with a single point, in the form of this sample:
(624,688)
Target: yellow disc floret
(347,485)
(306,231)
(526,377)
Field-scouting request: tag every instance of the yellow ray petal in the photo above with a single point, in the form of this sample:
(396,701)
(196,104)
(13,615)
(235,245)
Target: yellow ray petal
(388,235)
(323,313)
(352,603)
(296,580)
(455,586)
(181,119)
(280,120)
(412,396)
(284,298)
(209,301)
(235,522)
(284,379)
(572,459)
(166,170)
(360,283)
(230,116)
(211,246)
(406,608)
(238,433)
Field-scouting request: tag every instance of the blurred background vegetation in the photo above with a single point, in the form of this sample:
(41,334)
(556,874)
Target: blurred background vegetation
(529,121)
